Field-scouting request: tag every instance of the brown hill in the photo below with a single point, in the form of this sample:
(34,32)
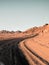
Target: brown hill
(36,49)
(4,34)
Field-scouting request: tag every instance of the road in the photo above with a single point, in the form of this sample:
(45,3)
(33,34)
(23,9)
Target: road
(10,54)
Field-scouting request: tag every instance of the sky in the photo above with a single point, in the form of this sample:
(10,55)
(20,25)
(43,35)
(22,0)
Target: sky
(23,14)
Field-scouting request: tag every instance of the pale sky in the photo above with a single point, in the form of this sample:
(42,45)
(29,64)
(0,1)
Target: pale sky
(23,14)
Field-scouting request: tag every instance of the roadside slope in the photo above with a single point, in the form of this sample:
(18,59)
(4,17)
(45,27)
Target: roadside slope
(36,49)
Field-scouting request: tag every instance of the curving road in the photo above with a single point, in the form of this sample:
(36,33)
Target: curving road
(10,54)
